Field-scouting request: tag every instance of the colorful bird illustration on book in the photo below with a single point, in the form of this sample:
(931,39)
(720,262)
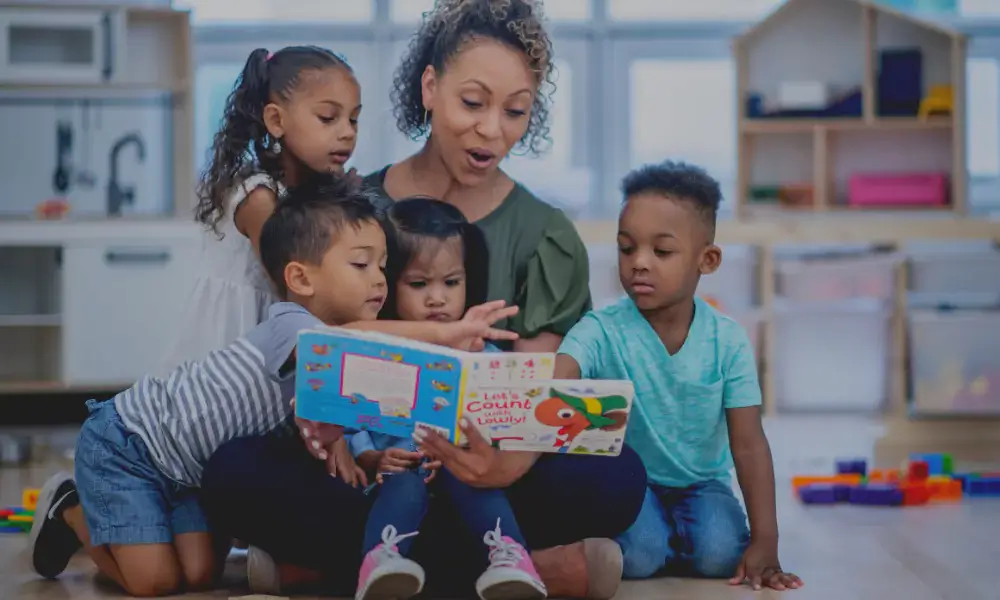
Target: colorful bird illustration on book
(440,366)
(440,386)
(575,414)
(321,349)
(393,356)
(313,367)
(315,384)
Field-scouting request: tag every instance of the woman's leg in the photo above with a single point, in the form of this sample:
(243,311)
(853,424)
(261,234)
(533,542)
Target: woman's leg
(269,492)
(564,504)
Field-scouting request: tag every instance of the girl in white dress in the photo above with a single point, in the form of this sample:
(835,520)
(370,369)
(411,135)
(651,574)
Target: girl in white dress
(290,113)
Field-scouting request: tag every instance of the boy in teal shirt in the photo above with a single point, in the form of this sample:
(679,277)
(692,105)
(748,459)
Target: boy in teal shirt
(697,402)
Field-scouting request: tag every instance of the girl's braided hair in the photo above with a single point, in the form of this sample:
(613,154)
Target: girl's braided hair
(519,24)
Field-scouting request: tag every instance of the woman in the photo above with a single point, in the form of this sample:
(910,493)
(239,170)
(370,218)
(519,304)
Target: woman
(472,79)
(473,84)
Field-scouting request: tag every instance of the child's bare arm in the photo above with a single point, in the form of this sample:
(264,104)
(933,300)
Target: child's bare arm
(566,367)
(475,327)
(252,212)
(754,470)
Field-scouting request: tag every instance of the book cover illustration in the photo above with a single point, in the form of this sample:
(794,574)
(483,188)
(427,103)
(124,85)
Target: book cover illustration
(563,416)
(374,385)
(392,386)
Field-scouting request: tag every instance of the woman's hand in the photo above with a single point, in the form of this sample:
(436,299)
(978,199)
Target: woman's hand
(318,436)
(480,465)
(476,327)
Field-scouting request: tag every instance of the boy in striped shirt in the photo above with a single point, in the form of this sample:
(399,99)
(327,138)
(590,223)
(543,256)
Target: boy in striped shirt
(140,455)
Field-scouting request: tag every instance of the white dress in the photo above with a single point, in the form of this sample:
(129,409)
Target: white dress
(231,292)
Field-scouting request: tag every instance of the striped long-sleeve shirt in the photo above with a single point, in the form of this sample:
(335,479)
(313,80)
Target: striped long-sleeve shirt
(240,390)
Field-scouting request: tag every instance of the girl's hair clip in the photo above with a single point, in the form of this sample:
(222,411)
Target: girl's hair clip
(270,55)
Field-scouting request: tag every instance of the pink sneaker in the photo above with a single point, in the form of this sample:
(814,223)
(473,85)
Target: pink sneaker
(386,574)
(511,574)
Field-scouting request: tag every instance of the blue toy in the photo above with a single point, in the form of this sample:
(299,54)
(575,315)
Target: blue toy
(982,486)
(852,467)
(876,495)
(937,464)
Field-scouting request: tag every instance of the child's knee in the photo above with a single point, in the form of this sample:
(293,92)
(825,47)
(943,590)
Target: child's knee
(157,579)
(646,544)
(717,552)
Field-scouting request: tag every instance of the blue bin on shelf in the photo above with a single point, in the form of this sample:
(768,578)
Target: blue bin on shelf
(900,81)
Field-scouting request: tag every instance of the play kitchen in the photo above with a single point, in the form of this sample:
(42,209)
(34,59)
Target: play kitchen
(101,156)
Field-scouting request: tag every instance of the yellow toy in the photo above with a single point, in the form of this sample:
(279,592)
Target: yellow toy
(29,499)
(939,100)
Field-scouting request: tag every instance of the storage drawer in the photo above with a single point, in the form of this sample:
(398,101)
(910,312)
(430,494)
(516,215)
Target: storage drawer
(122,301)
(955,361)
(831,357)
(958,268)
(733,286)
(837,278)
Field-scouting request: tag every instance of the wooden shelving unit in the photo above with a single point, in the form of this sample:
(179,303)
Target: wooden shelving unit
(821,151)
(69,56)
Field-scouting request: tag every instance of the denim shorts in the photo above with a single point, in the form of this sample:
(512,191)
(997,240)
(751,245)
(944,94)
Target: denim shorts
(126,499)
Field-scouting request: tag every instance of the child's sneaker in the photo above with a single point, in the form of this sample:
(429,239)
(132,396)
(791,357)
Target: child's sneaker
(388,575)
(262,572)
(52,542)
(511,574)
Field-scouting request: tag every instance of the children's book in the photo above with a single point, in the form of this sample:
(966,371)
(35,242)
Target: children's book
(392,385)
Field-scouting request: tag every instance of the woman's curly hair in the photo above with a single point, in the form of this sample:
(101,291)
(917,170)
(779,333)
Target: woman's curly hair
(243,145)
(519,24)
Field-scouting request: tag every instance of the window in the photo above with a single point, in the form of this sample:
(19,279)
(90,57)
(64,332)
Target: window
(552,175)
(683,109)
(410,11)
(983,111)
(979,8)
(288,11)
(690,10)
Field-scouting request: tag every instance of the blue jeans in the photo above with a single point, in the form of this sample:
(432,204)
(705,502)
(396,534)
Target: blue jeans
(698,531)
(402,499)
(126,498)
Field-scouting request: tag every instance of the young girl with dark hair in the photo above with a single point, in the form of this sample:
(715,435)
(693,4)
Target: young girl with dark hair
(291,113)
(437,269)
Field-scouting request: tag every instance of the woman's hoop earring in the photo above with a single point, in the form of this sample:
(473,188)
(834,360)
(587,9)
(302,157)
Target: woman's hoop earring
(425,118)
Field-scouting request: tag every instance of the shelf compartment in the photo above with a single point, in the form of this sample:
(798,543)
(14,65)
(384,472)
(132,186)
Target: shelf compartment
(31,282)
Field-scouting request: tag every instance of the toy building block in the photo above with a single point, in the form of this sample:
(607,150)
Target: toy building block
(800,481)
(818,493)
(983,487)
(29,498)
(876,495)
(945,491)
(915,493)
(21,518)
(5,513)
(918,470)
(852,466)
(937,464)
(9,529)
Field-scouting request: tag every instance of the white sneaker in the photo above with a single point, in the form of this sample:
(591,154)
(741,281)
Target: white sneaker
(262,572)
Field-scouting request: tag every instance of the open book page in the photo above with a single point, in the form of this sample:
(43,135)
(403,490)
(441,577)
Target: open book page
(575,416)
(392,340)
(366,380)
(496,368)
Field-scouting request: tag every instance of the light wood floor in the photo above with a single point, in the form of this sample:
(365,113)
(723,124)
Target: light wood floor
(852,553)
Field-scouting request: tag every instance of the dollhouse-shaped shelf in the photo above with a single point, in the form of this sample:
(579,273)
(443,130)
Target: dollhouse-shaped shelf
(849,105)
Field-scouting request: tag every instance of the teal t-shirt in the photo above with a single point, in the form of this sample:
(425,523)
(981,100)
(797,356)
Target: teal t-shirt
(678,420)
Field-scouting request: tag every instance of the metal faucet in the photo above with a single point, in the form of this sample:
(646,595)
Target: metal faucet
(119,196)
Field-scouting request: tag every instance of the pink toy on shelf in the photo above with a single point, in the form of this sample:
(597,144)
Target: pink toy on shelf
(898,189)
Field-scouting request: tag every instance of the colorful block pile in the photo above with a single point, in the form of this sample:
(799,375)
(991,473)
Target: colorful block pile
(18,519)
(923,479)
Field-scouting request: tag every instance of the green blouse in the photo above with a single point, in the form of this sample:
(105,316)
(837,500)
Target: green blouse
(537,261)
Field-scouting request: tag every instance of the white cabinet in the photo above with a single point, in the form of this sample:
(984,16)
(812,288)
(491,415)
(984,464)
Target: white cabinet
(45,45)
(122,300)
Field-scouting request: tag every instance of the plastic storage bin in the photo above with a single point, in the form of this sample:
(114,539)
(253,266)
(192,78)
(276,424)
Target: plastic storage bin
(732,288)
(837,277)
(831,356)
(955,361)
(943,269)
